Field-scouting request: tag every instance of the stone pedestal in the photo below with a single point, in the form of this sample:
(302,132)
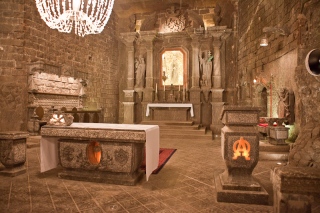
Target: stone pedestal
(217,105)
(195,99)
(278,135)
(294,188)
(128,106)
(13,152)
(240,151)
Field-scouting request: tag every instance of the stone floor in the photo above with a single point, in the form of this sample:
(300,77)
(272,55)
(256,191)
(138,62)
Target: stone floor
(185,184)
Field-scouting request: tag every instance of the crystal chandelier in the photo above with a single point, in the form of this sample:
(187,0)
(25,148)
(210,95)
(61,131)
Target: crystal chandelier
(87,16)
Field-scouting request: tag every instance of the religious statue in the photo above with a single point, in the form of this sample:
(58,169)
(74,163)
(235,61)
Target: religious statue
(286,105)
(140,72)
(206,68)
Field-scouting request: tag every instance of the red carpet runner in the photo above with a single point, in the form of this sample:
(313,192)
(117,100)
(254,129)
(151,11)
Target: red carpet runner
(164,156)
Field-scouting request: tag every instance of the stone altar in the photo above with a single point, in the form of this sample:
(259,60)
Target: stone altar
(277,134)
(240,151)
(100,152)
(170,111)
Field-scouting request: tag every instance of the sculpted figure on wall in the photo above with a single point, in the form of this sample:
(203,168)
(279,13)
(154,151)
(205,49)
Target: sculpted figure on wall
(205,61)
(140,66)
(286,104)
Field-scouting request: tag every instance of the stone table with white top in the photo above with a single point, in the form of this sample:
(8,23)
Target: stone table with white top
(100,152)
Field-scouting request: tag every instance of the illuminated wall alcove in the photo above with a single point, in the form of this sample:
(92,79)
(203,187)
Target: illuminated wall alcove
(173,67)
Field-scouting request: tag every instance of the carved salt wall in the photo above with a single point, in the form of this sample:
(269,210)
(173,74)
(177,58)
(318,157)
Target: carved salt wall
(281,63)
(26,39)
(50,86)
(193,31)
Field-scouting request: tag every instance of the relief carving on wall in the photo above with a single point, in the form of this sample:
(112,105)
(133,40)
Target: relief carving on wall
(175,21)
(286,105)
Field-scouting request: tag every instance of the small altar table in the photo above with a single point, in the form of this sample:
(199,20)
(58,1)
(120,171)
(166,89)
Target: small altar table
(119,149)
(168,105)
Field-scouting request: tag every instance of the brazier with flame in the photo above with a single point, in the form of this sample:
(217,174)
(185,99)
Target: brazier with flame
(240,151)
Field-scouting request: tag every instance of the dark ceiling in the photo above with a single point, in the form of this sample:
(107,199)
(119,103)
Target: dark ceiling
(126,8)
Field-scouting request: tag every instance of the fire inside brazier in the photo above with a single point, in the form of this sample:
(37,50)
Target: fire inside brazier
(240,151)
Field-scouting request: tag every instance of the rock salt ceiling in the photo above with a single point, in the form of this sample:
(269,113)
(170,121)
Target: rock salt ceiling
(126,8)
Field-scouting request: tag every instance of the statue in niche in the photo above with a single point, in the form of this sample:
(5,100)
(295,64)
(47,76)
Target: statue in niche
(286,105)
(174,72)
(140,66)
(205,61)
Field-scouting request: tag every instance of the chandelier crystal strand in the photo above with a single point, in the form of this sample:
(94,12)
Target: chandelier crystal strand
(85,16)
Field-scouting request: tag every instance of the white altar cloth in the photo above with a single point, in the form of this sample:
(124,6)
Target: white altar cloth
(49,157)
(169,105)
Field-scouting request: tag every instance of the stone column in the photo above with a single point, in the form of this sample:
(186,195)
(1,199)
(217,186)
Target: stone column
(148,91)
(216,63)
(128,39)
(195,61)
(217,91)
(148,37)
(219,34)
(195,91)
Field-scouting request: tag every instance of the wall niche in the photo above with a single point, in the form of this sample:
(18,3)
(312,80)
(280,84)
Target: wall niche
(51,86)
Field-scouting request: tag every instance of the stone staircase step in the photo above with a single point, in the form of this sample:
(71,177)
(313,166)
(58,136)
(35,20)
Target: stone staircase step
(186,137)
(272,156)
(181,130)
(272,152)
(171,123)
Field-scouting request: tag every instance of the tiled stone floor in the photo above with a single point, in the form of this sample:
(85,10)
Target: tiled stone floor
(185,184)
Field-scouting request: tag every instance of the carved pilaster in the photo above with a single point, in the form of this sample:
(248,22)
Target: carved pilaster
(128,39)
(195,99)
(216,124)
(217,105)
(219,34)
(195,61)
(216,63)
(148,37)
